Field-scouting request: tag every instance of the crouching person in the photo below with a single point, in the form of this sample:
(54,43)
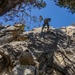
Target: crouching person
(46,23)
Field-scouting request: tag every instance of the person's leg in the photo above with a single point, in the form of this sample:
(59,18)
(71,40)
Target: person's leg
(47,27)
(43,27)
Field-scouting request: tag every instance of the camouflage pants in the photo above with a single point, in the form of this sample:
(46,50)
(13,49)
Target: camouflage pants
(45,25)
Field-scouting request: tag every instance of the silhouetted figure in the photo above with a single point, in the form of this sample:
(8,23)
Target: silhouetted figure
(46,22)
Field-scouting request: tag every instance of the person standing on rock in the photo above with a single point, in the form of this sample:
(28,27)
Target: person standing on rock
(46,22)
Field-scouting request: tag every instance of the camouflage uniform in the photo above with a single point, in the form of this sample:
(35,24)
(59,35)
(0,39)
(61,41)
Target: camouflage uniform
(46,22)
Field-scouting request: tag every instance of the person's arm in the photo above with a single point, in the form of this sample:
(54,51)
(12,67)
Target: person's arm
(49,19)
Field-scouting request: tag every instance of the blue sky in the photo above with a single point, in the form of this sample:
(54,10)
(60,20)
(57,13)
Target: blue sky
(59,16)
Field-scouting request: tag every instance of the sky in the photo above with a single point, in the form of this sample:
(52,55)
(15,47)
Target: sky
(59,16)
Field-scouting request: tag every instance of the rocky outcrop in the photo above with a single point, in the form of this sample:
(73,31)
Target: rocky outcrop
(41,53)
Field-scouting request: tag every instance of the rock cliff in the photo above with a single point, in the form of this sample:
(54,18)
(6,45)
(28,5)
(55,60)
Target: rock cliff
(41,53)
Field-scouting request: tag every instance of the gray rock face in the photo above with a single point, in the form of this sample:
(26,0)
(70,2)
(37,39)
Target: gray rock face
(49,52)
(24,70)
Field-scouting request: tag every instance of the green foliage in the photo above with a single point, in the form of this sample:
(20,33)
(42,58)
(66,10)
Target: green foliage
(69,4)
(22,12)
